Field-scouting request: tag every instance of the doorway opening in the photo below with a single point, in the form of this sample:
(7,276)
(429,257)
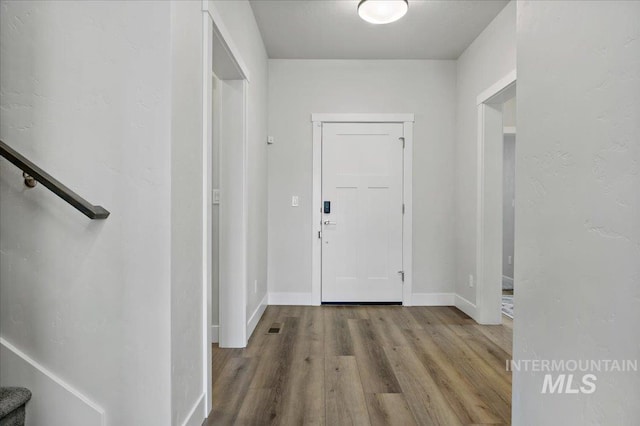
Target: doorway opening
(225,80)
(495,200)
(226,83)
(362,208)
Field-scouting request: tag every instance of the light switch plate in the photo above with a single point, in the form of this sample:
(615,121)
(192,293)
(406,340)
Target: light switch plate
(295,201)
(215,196)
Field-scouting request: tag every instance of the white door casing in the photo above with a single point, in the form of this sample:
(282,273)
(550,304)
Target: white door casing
(362,233)
(489,200)
(225,61)
(221,56)
(404,137)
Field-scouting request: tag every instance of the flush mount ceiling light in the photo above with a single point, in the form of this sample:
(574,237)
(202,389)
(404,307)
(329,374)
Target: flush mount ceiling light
(382,11)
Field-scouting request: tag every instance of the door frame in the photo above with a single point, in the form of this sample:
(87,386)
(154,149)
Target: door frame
(215,35)
(489,199)
(407,120)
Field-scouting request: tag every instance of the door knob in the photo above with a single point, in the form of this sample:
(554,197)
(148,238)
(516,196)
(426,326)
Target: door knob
(328,222)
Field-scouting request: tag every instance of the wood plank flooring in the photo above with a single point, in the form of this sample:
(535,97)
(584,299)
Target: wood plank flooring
(365,365)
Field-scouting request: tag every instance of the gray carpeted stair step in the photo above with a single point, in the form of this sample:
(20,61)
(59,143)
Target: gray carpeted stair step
(12,406)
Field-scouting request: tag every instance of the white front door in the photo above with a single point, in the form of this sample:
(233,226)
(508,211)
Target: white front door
(362,169)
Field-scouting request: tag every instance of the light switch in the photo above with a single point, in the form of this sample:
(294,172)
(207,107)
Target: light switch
(295,202)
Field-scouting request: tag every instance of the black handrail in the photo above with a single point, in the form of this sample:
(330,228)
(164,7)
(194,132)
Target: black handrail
(88,209)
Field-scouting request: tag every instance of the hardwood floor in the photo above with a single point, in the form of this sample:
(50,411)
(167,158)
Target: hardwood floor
(365,365)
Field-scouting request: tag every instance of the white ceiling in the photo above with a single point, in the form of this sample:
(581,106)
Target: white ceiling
(325,29)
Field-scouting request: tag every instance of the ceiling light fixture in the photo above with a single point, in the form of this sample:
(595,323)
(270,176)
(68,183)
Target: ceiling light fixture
(382,11)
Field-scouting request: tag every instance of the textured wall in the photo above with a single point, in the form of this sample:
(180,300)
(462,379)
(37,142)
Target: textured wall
(186,208)
(578,210)
(298,88)
(85,93)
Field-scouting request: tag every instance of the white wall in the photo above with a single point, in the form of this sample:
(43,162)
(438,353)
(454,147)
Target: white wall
(113,308)
(489,58)
(508,209)
(215,211)
(85,92)
(239,20)
(509,110)
(578,228)
(298,88)
(186,210)
(508,191)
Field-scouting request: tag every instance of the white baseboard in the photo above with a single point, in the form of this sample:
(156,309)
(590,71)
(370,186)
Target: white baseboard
(418,299)
(197,415)
(255,317)
(302,299)
(433,299)
(465,306)
(215,333)
(54,402)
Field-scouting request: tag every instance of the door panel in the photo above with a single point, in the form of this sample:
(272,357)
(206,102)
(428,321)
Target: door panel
(362,235)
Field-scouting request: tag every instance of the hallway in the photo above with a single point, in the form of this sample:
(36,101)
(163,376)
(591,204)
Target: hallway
(181,176)
(365,365)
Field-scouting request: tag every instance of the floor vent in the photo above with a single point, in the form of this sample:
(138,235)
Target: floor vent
(274,329)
